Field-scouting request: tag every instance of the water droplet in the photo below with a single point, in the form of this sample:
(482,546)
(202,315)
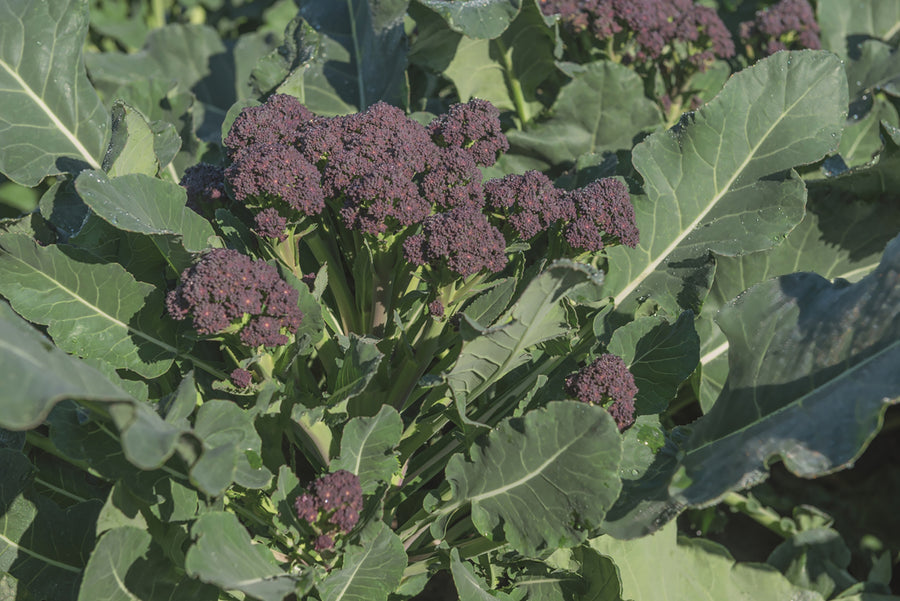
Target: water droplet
(634,472)
(39,43)
(858,82)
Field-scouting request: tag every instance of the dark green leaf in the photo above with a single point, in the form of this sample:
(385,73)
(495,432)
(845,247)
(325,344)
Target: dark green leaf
(91,310)
(476,18)
(351,55)
(224,555)
(360,365)
(845,24)
(468,585)
(487,306)
(602,108)
(541,481)
(42,546)
(815,559)
(52,121)
(371,571)
(104,575)
(367,448)
(862,141)
(44,375)
(659,355)
(719,181)
(873,181)
(156,208)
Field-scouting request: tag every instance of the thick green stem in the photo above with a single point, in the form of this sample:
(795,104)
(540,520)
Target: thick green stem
(423,353)
(515,86)
(760,514)
(337,280)
(45,444)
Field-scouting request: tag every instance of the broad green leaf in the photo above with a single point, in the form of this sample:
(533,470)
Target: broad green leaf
(130,144)
(476,18)
(839,237)
(508,70)
(468,585)
(224,555)
(542,481)
(348,55)
(861,141)
(91,310)
(367,448)
(43,547)
(845,24)
(570,574)
(360,365)
(147,440)
(369,572)
(52,121)
(659,355)
(602,108)
(807,360)
(229,441)
(487,306)
(873,180)
(150,206)
(667,566)
(535,317)
(44,375)
(872,67)
(720,181)
(104,575)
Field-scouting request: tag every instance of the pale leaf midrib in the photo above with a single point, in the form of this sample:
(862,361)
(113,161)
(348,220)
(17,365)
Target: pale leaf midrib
(97,310)
(38,556)
(70,136)
(655,263)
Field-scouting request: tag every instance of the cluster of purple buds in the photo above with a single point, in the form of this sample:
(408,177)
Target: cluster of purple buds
(205,187)
(654,25)
(607,382)
(331,505)
(226,291)
(787,25)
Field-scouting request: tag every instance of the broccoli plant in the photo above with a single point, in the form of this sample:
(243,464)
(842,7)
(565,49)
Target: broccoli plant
(277,334)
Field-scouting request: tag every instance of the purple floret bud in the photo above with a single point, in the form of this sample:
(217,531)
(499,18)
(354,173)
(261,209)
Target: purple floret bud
(787,25)
(205,186)
(461,237)
(602,209)
(276,175)
(270,224)
(241,378)
(277,121)
(436,308)
(226,289)
(531,202)
(607,382)
(474,127)
(331,506)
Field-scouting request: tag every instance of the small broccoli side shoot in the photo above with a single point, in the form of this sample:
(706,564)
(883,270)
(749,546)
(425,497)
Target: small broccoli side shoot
(787,25)
(205,187)
(473,127)
(227,292)
(602,213)
(331,507)
(607,382)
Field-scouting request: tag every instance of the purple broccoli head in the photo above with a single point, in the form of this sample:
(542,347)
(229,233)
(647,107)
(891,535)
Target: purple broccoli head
(531,202)
(229,291)
(474,127)
(607,382)
(331,505)
(462,239)
(277,121)
(205,187)
(602,210)
(787,25)
(241,378)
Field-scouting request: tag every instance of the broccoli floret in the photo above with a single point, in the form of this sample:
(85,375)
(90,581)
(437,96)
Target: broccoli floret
(602,209)
(436,308)
(277,121)
(331,506)
(655,25)
(474,127)
(606,381)
(462,239)
(270,224)
(241,378)
(275,175)
(454,181)
(228,292)
(205,186)
(788,25)
(531,202)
